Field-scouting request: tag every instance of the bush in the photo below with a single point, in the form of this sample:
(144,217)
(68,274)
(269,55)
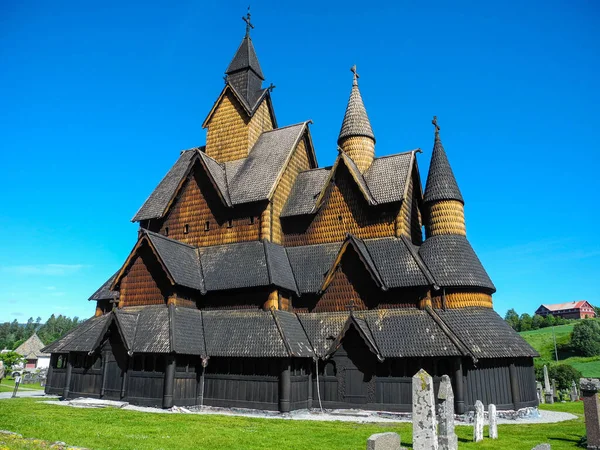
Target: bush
(585,338)
(10,359)
(563,374)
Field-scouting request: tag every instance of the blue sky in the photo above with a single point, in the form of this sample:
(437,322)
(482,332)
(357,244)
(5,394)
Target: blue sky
(99,98)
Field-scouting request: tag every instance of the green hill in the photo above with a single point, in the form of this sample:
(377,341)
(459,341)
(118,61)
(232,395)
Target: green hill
(543,341)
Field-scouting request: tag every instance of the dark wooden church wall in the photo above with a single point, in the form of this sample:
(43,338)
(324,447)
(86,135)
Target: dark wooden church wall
(145,379)
(187,374)
(300,370)
(57,373)
(488,382)
(242,382)
(526,383)
(86,375)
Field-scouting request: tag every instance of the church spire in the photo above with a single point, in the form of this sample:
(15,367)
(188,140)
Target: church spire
(244,72)
(356,135)
(441,183)
(444,204)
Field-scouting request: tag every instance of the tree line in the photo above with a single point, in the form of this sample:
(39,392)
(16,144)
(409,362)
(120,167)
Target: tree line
(526,322)
(13,334)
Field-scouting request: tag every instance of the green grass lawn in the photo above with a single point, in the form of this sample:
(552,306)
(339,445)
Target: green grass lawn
(117,429)
(9,384)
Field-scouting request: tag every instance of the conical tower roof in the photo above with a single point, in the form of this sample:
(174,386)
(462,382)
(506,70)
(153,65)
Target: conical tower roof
(356,122)
(441,183)
(245,59)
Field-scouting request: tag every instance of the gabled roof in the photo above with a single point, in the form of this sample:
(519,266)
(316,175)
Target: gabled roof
(180,261)
(310,264)
(104,292)
(81,338)
(245,58)
(441,183)
(217,175)
(245,265)
(385,181)
(32,348)
(567,305)
(257,175)
(356,122)
(247,180)
(453,263)
(485,333)
(249,103)
(254,334)
(305,192)
(158,201)
(360,325)
(361,250)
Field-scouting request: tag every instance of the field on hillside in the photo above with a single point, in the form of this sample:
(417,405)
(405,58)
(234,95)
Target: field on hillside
(543,341)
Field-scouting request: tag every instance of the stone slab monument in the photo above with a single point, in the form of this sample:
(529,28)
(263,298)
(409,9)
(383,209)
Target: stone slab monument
(384,441)
(478,422)
(447,438)
(573,393)
(547,389)
(591,407)
(540,392)
(423,412)
(493,419)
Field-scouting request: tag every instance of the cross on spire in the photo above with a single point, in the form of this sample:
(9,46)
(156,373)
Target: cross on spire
(356,75)
(435,124)
(248,24)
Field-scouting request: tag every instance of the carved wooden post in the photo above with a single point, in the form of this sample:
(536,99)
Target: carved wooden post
(285,386)
(68,376)
(169,382)
(310,386)
(459,394)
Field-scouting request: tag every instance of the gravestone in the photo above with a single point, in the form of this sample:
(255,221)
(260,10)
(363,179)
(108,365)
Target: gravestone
(547,389)
(591,409)
(555,393)
(542,447)
(447,438)
(493,419)
(573,393)
(423,412)
(478,422)
(540,392)
(384,441)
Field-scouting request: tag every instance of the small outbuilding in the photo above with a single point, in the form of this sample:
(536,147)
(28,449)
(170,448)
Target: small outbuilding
(31,350)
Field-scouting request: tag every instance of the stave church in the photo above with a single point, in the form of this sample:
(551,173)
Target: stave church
(261,280)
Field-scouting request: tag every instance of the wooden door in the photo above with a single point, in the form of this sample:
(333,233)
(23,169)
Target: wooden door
(358,365)
(116,360)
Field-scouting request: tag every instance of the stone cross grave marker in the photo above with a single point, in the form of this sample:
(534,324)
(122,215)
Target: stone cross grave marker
(423,412)
(447,438)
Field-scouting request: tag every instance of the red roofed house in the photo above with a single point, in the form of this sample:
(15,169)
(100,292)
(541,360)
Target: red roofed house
(570,310)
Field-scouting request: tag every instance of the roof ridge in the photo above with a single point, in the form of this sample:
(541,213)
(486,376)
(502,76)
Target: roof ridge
(416,150)
(450,333)
(286,344)
(287,126)
(419,261)
(153,233)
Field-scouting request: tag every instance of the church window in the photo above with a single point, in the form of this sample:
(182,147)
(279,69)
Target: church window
(206,225)
(186,229)
(340,218)
(251,220)
(330,369)
(230,223)
(166,231)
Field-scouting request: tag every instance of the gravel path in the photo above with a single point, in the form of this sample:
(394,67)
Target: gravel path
(358,416)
